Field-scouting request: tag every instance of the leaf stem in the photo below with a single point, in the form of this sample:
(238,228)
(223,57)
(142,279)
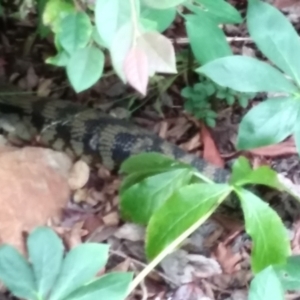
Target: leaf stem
(134,16)
(172,246)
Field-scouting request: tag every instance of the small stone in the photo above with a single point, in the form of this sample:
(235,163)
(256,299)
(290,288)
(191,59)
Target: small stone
(79,175)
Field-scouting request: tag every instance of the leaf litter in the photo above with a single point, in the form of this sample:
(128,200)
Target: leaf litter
(215,265)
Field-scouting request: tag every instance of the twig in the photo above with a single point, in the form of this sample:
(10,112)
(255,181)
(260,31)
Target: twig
(141,264)
(184,40)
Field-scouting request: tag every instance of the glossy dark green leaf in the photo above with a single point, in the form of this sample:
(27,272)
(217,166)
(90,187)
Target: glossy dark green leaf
(266,285)
(289,273)
(207,40)
(268,123)
(16,274)
(242,174)
(43,30)
(221,10)
(266,230)
(150,162)
(79,267)
(141,200)
(45,251)
(187,206)
(275,36)
(111,286)
(246,74)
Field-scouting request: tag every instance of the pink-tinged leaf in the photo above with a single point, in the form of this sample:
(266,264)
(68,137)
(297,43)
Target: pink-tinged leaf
(160,52)
(136,69)
(120,47)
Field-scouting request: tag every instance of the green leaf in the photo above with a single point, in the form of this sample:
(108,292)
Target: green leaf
(141,200)
(289,273)
(150,161)
(188,205)
(261,123)
(275,36)
(16,274)
(75,31)
(208,41)
(266,285)
(85,68)
(163,4)
(246,74)
(97,38)
(266,229)
(242,174)
(45,251)
(112,286)
(110,16)
(162,17)
(55,11)
(60,59)
(221,11)
(80,265)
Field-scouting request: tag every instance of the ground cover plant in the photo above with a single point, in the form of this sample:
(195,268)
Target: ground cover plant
(130,34)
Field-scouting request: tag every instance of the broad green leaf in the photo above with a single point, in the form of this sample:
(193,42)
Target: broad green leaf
(110,16)
(207,40)
(151,161)
(162,17)
(147,25)
(80,265)
(46,252)
(159,51)
(246,74)
(112,286)
(221,11)
(60,59)
(124,37)
(16,274)
(242,174)
(275,36)
(268,123)
(266,230)
(163,4)
(289,273)
(97,38)
(187,206)
(55,11)
(85,67)
(75,31)
(266,285)
(141,200)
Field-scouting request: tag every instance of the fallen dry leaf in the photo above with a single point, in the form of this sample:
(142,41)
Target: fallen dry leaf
(33,189)
(285,3)
(228,260)
(131,232)
(190,291)
(210,151)
(204,267)
(285,148)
